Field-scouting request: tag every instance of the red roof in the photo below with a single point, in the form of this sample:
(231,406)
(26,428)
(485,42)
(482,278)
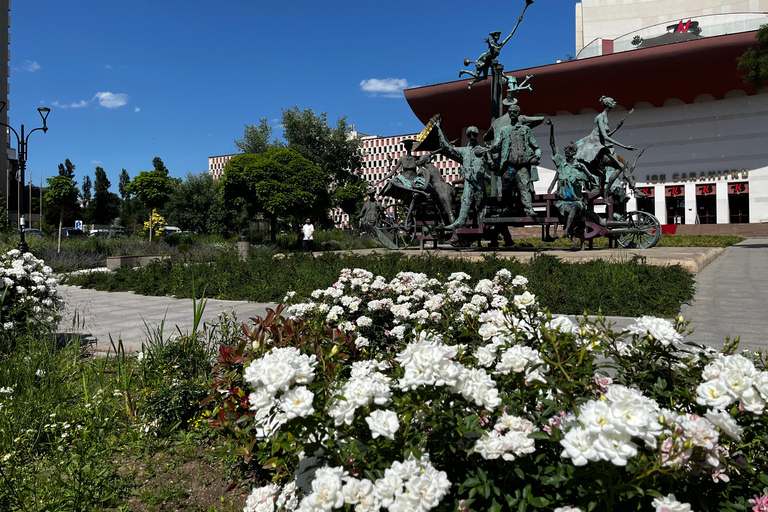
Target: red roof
(682,70)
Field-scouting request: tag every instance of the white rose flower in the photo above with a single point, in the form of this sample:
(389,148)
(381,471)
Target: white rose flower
(297,402)
(524,300)
(726,423)
(383,423)
(657,328)
(262,499)
(714,393)
(361,342)
(670,504)
(579,446)
(326,489)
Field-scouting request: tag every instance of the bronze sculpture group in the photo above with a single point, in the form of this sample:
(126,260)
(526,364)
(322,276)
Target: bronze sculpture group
(509,159)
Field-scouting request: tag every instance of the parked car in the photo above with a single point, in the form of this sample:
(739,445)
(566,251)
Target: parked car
(33,232)
(171,230)
(72,233)
(99,232)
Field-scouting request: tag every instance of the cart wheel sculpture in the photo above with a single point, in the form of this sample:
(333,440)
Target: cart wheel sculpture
(646,231)
(397,235)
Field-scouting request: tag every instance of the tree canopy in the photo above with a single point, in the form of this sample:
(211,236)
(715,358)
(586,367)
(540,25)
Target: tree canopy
(61,196)
(332,148)
(192,202)
(67,169)
(257,139)
(105,205)
(152,187)
(755,60)
(277,183)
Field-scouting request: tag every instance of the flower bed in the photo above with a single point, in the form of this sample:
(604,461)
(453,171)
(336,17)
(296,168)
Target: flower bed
(29,296)
(418,394)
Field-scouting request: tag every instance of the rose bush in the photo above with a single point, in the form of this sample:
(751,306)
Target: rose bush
(418,394)
(28,290)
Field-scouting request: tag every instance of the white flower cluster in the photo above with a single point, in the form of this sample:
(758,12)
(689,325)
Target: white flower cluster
(429,362)
(731,378)
(271,499)
(508,439)
(410,486)
(30,291)
(605,428)
(366,386)
(689,432)
(658,329)
(277,372)
(412,299)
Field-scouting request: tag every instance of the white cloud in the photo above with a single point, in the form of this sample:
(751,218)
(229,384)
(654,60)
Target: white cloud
(111,100)
(80,104)
(108,66)
(29,65)
(387,87)
(136,109)
(95,162)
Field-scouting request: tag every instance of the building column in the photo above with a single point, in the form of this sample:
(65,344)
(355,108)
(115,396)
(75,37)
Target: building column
(660,203)
(690,203)
(721,200)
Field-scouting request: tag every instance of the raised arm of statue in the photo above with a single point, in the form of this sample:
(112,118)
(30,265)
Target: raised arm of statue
(448,148)
(602,124)
(552,137)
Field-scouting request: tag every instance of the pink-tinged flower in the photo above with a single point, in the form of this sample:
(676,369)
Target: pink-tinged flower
(760,503)
(602,382)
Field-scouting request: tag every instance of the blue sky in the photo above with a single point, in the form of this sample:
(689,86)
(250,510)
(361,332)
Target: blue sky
(128,80)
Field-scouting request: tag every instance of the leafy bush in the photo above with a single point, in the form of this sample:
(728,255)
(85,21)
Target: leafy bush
(625,288)
(422,394)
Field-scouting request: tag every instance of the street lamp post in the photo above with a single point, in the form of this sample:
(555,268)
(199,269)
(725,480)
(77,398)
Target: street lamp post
(21,143)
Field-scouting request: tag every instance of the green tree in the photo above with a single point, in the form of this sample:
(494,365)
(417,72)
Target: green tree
(190,204)
(61,196)
(152,188)
(257,139)
(85,199)
(277,183)
(125,179)
(67,169)
(106,204)
(159,166)
(335,150)
(755,60)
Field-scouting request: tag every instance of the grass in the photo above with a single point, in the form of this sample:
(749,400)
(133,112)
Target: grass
(666,241)
(83,434)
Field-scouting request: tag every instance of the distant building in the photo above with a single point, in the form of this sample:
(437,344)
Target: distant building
(216,164)
(6,153)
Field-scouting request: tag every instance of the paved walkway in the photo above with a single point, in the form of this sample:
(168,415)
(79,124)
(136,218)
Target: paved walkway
(731,297)
(124,315)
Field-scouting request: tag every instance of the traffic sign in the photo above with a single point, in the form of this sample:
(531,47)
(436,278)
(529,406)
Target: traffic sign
(78,224)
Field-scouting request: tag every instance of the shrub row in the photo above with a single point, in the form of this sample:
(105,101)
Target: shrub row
(613,288)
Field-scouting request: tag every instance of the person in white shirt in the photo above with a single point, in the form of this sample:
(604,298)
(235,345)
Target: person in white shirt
(308,230)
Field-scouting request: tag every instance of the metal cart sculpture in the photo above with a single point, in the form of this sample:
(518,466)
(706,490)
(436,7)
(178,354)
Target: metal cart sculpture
(426,208)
